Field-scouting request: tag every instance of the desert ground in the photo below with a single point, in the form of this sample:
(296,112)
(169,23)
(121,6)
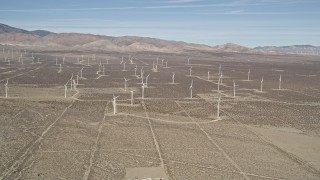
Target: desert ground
(167,134)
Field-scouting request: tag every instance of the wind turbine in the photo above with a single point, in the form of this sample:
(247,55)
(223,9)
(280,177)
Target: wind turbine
(208,75)
(191,87)
(249,75)
(38,61)
(162,62)
(121,60)
(131,58)
(234,88)
(59,69)
(280,82)
(81,73)
(173,78)
(147,80)
(221,77)
(132,96)
(261,84)
(6,88)
(78,78)
(74,84)
(219,83)
(103,70)
(65,90)
(218,107)
(125,83)
(114,104)
(142,93)
(135,70)
(124,66)
(64,58)
(166,64)
(142,77)
(190,71)
(71,81)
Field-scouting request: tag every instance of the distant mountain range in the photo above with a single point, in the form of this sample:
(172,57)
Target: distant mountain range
(47,40)
(295,49)
(8,29)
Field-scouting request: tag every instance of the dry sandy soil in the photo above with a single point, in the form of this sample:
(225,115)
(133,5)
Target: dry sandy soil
(273,134)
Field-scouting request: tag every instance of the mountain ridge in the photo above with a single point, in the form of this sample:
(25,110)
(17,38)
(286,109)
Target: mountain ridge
(78,41)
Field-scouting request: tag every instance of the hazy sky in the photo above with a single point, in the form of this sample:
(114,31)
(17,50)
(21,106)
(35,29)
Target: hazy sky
(246,22)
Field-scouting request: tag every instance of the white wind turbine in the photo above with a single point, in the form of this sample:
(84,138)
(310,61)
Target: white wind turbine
(121,60)
(63,59)
(132,96)
(218,107)
(131,58)
(78,78)
(249,75)
(166,64)
(71,81)
(38,61)
(147,80)
(115,104)
(135,70)
(6,88)
(59,69)
(234,88)
(81,73)
(219,83)
(191,87)
(190,71)
(65,90)
(173,78)
(125,83)
(124,66)
(221,76)
(280,82)
(208,75)
(74,84)
(142,89)
(261,84)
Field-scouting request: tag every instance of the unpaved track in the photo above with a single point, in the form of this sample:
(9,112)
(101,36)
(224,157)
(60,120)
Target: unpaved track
(28,152)
(216,144)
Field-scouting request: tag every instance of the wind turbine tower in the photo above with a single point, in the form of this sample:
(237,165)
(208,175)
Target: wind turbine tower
(261,84)
(191,87)
(114,104)
(280,82)
(125,83)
